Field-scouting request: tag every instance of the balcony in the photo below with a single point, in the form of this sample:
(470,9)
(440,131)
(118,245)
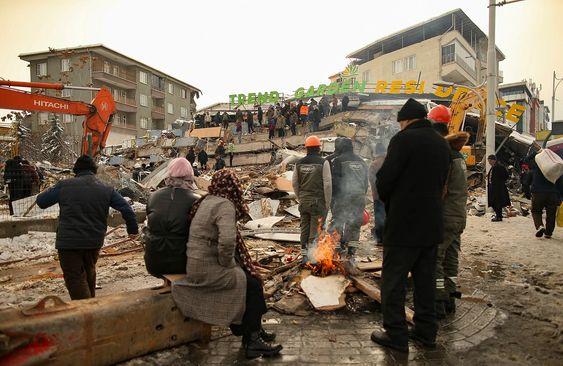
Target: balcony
(126,104)
(157,112)
(157,93)
(456,70)
(116,77)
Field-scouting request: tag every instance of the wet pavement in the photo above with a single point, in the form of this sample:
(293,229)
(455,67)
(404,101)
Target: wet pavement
(341,338)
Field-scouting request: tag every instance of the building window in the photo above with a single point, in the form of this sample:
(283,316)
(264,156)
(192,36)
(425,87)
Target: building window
(143,77)
(107,68)
(43,118)
(144,100)
(448,53)
(116,119)
(68,118)
(124,119)
(184,93)
(144,123)
(115,93)
(410,62)
(66,93)
(65,64)
(365,76)
(397,66)
(41,69)
(170,108)
(171,88)
(115,70)
(183,112)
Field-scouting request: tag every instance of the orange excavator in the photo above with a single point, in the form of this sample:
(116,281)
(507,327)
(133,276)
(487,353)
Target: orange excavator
(98,114)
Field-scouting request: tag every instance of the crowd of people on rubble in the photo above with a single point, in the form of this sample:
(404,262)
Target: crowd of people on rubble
(280,119)
(419,190)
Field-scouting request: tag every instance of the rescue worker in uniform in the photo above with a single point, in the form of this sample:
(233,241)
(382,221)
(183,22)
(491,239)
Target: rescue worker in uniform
(350,184)
(312,184)
(455,215)
(411,183)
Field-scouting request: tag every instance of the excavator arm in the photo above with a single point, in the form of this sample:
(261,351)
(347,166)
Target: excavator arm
(98,114)
(464,101)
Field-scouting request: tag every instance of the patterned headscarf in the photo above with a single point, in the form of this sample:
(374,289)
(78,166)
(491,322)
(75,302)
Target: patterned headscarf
(225,184)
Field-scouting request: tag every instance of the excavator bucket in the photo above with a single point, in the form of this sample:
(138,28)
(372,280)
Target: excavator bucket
(98,124)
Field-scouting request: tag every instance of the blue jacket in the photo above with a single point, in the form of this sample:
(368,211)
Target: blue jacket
(84,203)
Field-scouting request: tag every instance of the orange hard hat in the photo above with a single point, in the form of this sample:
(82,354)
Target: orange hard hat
(312,141)
(440,114)
(365,218)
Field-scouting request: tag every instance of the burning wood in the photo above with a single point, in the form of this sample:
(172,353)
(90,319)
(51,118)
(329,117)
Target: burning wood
(324,258)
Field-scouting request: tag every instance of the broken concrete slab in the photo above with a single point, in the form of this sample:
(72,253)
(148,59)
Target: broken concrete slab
(293,210)
(326,293)
(156,176)
(263,223)
(263,208)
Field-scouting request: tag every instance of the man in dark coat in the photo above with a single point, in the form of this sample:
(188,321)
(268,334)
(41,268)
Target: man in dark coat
(349,187)
(260,115)
(84,203)
(410,183)
(191,155)
(202,158)
(497,193)
(14,178)
(545,195)
(345,101)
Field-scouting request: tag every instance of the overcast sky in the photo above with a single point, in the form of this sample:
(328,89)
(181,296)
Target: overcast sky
(238,46)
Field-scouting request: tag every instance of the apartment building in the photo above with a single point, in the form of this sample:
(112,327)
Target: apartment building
(145,97)
(449,47)
(526,93)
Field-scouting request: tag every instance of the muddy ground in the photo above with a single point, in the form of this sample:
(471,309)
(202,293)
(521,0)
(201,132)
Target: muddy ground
(503,263)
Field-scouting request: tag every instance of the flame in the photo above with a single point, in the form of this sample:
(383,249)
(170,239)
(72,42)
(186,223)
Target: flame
(324,257)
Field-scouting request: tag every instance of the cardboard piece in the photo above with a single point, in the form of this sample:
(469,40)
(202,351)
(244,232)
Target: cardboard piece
(326,293)
(206,132)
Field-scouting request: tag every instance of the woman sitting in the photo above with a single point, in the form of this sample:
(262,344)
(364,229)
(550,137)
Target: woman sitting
(222,286)
(168,226)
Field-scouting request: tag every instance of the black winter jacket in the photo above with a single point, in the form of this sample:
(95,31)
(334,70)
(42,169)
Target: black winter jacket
(410,183)
(167,231)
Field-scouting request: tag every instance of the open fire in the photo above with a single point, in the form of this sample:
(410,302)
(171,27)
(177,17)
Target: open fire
(324,258)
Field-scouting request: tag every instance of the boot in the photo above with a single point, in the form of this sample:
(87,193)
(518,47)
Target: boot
(256,347)
(267,337)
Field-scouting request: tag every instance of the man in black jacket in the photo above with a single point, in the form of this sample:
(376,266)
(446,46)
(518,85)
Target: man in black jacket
(410,183)
(545,195)
(497,193)
(84,203)
(349,187)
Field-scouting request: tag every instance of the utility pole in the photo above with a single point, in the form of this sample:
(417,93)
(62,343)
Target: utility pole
(553,94)
(491,86)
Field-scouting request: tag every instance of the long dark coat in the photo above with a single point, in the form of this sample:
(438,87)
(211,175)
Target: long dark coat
(214,289)
(167,230)
(410,183)
(497,191)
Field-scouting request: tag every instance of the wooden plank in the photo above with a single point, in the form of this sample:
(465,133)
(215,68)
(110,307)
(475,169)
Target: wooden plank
(372,290)
(370,266)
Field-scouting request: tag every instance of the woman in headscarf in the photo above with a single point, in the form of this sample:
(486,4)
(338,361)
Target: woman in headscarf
(222,286)
(168,226)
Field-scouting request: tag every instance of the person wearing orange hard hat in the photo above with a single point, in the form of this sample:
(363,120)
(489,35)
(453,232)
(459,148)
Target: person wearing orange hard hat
(440,116)
(312,184)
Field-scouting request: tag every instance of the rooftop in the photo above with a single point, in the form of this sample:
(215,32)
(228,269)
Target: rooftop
(433,27)
(104,51)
